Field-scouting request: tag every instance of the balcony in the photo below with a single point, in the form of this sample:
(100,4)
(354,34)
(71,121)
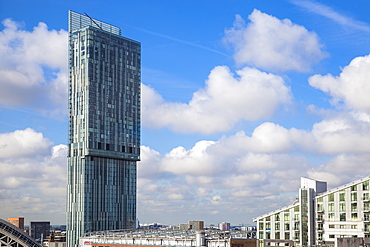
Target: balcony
(366,199)
(320,219)
(320,229)
(366,209)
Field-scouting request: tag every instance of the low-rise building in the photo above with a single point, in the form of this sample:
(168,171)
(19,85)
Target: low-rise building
(164,238)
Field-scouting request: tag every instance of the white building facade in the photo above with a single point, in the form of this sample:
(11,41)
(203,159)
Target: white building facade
(318,216)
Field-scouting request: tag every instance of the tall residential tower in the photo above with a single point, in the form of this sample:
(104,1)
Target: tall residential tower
(104,127)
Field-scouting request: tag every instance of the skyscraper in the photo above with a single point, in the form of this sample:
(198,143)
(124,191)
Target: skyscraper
(104,127)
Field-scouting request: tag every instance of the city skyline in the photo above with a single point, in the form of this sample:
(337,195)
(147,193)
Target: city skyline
(239,100)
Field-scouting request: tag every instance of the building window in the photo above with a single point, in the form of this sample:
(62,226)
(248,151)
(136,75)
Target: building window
(367,227)
(261,235)
(277,235)
(286,227)
(320,226)
(342,227)
(296,236)
(354,216)
(353,226)
(296,217)
(331,226)
(296,226)
(277,226)
(331,207)
(354,187)
(366,217)
(353,207)
(268,226)
(331,197)
(342,207)
(354,196)
(365,197)
(268,218)
(296,209)
(365,185)
(277,217)
(287,236)
(286,217)
(342,197)
(319,199)
(320,207)
(331,217)
(342,216)
(260,226)
(331,236)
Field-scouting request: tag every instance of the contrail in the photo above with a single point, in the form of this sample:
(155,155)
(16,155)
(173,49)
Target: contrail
(176,39)
(329,13)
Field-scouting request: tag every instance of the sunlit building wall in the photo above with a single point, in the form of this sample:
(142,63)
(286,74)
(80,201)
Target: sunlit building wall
(17,221)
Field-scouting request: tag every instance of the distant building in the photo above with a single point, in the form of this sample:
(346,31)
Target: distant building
(169,238)
(18,222)
(318,217)
(152,226)
(196,225)
(183,226)
(39,230)
(223,226)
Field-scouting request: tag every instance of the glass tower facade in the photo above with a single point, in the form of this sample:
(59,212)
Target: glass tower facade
(104,127)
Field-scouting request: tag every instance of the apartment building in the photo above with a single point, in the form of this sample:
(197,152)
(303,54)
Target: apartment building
(318,216)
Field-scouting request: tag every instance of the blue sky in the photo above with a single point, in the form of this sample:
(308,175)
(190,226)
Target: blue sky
(239,100)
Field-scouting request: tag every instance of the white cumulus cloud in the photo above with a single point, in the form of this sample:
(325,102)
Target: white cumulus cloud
(21,143)
(33,67)
(351,88)
(34,176)
(225,100)
(269,43)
